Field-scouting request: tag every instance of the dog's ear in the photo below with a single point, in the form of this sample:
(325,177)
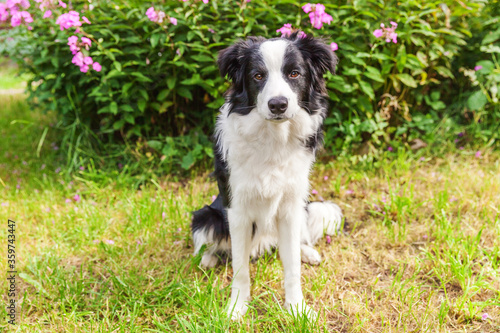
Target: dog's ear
(317,54)
(230,61)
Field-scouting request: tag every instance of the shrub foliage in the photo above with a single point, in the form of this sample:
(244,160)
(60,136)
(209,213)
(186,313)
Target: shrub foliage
(158,88)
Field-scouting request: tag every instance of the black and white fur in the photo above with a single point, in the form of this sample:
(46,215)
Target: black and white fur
(266,135)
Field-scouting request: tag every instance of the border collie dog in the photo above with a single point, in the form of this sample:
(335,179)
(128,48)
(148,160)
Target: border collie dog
(266,137)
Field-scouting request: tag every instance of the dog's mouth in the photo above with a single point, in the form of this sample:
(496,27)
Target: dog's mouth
(278,119)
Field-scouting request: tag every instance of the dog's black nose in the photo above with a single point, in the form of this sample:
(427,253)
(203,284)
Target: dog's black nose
(278,105)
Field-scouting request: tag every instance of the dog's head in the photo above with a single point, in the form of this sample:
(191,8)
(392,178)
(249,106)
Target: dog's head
(278,77)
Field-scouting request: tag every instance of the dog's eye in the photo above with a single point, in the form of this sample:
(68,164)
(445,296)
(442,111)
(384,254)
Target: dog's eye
(294,74)
(258,77)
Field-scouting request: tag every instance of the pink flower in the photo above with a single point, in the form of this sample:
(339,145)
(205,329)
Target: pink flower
(325,178)
(173,20)
(424,236)
(62,4)
(388,33)
(328,239)
(453,199)
(68,20)
(163,215)
(109,241)
(485,316)
(48,13)
(95,241)
(74,49)
(349,192)
(478,154)
(85,20)
(151,14)
(68,201)
(390,148)
(155,16)
(314,192)
(211,30)
(307,8)
(96,66)
(301,34)
(82,168)
(77,198)
(72,40)
(78,59)
(87,60)
(18,17)
(334,46)
(378,33)
(84,68)
(86,41)
(205,1)
(317,15)
(4,14)
(214,197)
(478,68)
(5,204)
(286,30)
(139,242)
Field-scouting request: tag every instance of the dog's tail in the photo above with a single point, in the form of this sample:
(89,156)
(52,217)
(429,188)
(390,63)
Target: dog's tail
(323,218)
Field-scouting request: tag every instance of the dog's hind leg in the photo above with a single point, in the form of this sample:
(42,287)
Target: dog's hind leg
(210,228)
(323,218)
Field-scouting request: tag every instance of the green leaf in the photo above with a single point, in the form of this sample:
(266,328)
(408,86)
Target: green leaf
(187,161)
(171,82)
(477,100)
(129,118)
(163,94)
(374,74)
(445,72)
(119,124)
(401,59)
(113,108)
(126,108)
(491,37)
(407,80)
(141,77)
(154,39)
(118,66)
(155,144)
(141,104)
(184,92)
(126,87)
(367,89)
(351,71)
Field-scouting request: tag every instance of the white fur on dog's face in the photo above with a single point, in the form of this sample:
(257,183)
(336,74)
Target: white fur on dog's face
(273,54)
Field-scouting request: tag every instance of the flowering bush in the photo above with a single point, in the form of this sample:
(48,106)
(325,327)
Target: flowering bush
(119,71)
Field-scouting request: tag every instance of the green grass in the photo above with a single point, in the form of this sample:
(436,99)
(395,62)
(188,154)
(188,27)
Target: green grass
(422,253)
(9,80)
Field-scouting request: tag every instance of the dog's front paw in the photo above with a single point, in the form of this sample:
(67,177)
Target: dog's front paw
(301,309)
(237,310)
(208,260)
(309,255)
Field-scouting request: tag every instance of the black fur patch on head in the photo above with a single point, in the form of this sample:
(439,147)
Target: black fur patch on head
(236,62)
(318,59)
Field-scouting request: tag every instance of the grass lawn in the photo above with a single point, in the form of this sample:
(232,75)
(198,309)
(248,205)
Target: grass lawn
(97,254)
(9,80)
